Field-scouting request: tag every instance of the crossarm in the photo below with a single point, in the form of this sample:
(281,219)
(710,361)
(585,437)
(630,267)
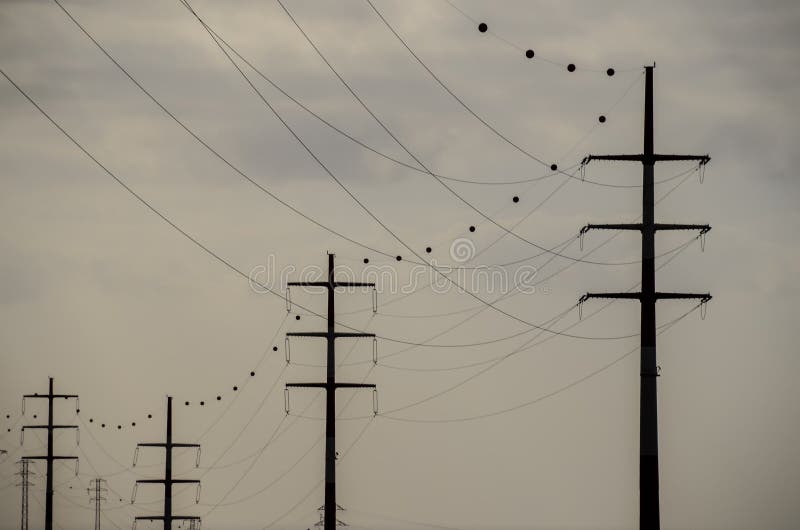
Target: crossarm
(46,427)
(324,334)
(629,296)
(703,297)
(306,385)
(613,226)
(161,517)
(62,396)
(671,226)
(51,457)
(307,334)
(354,385)
(703,159)
(620,158)
(353,284)
(356,335)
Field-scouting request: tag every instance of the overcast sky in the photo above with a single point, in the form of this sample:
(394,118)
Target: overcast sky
(101,293)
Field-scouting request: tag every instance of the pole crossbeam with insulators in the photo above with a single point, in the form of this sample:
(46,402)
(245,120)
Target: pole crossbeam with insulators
(649,516)
(330,386)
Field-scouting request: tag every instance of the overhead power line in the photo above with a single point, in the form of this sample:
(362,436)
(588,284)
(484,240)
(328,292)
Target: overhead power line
(227,263)
(421,261)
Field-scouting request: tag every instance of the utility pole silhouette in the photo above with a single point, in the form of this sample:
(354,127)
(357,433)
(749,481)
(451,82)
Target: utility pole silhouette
(167,481)
(330,386)
(96,492)
(649,518)
(50,457)
(24,483)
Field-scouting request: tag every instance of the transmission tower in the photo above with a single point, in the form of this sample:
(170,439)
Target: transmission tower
(167,481)
(329,513)
(24,483)
(96,491)
(649,518)
(50,458)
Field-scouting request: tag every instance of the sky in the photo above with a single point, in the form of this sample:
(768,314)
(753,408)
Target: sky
(142,280)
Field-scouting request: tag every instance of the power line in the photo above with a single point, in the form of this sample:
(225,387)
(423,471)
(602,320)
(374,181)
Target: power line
(529,344)
(272,439)
(678,248)
(339,182)
(362,144)
(453,94)
(230,265)
(543,397)
(207,249)
(528,52)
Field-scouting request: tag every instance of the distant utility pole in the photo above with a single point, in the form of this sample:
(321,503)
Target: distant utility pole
(96,491)
(50,458)
(648,425)
(167,481)
(330,386)
(24,483)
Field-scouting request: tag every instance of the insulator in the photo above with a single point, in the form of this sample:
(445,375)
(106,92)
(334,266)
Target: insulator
(374,401)
(581,239)
(701,169)
(197,458)
(583,170)
(134,525)
(703,309)
(197,494)
(287,350)
(22,436)
(133,494)
(77,405)
(77,467)
(580,310)
(374,350)
(374,300)
(135,456)
(702,241)
(77,436)
(288,299)
(23,406)
(286,400)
